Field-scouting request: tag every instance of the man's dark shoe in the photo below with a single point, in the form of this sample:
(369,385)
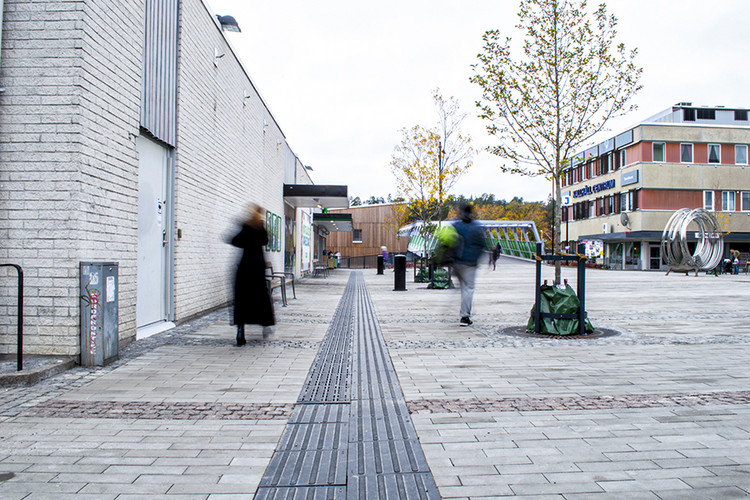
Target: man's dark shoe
(465,321)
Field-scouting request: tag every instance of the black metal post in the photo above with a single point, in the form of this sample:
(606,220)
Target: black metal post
(581,291)
(19,354)
(381,264)
(399,273)
(538,291)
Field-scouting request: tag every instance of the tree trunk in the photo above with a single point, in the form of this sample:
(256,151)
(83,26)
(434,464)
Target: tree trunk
(558,222)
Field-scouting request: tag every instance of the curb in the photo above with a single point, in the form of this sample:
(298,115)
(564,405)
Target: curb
(35,375)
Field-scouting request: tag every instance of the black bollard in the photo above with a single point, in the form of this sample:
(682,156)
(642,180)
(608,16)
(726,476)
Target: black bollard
(399,273)
(381,265)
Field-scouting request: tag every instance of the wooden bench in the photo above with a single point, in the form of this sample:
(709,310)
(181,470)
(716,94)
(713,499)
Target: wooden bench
(279,280)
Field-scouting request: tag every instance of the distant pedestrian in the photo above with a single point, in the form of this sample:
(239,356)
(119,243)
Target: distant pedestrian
(735,261)
(384,253)
(465,263)
(252,302)
(495,256)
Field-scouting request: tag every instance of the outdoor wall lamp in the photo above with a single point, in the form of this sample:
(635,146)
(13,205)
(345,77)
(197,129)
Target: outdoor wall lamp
(228,23)
(246,96)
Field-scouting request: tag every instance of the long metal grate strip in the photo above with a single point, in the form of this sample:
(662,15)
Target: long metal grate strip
(350,435)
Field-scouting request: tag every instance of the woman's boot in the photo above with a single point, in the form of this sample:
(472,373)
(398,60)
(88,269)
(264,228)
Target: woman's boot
(240,335)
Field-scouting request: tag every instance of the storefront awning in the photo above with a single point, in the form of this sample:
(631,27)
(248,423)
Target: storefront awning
(334,222)
(316,196)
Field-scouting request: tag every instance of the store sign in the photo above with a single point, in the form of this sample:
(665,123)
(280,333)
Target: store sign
(594,188)
(629,178)
(566,199)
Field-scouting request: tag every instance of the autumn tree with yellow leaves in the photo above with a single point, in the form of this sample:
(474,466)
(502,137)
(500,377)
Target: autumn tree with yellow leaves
(428,161)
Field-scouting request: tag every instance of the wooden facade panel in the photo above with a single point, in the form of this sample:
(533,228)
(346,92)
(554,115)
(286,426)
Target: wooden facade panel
(377,231)
(670,199)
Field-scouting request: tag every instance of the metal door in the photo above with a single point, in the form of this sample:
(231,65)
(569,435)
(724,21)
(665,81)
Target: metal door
(153,163)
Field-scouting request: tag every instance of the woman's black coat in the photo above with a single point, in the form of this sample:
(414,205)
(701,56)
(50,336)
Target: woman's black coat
(252,303)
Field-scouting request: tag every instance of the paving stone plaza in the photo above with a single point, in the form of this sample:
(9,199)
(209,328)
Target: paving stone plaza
(660,410)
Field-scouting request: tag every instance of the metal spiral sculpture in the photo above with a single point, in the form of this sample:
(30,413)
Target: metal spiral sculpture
(708,250)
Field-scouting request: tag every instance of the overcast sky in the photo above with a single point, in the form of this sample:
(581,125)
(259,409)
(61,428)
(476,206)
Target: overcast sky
(342,77)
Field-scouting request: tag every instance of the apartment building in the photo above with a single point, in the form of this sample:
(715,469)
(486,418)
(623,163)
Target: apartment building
(619,194)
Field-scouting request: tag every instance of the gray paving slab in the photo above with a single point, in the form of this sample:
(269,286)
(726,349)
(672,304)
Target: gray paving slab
(657,411)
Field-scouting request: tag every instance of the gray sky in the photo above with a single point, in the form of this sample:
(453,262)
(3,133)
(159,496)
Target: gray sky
(342,77)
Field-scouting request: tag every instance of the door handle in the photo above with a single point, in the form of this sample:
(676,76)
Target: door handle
(164,238)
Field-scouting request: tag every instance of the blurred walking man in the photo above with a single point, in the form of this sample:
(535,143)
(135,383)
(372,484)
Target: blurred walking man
(468,253)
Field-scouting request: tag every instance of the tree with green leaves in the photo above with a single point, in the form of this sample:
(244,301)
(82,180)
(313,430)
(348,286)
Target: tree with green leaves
(547,101)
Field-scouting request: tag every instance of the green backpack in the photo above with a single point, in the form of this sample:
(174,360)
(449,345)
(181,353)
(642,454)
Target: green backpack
(448,241)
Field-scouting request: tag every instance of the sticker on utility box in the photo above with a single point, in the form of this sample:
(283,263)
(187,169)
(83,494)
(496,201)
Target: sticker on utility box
(110,288)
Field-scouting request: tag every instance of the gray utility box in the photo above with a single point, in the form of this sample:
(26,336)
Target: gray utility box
(99,313)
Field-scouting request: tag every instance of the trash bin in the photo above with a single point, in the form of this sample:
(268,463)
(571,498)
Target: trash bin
(99,291)
(399,273)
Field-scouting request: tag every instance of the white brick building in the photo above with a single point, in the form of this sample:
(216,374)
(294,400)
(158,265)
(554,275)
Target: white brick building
(90,107)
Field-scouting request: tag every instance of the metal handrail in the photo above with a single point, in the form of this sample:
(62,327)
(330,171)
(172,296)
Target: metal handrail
(19,355)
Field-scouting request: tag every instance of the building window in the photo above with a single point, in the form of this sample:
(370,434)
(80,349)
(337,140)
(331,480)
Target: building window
(727,201)
(624,207)
(622,158)
(686,153)
(659,151)
(356,236)
(592,209)
(740,115)
(714,153)
(708,200)
(746,201)
(688,115)
(740,154)
(706,114)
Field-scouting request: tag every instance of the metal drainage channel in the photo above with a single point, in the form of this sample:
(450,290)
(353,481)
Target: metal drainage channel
(350,435)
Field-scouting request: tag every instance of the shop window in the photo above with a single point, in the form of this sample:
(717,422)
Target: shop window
(727,201)
(746,201)
(356,236)
(659,150)
(686,153)
(740,154)
(708,200)
(714,153)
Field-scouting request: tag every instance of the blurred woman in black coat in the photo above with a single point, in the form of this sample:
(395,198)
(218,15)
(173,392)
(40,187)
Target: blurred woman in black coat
(252,302)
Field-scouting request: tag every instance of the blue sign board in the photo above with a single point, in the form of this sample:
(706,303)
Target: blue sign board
(628,178)
(594,188)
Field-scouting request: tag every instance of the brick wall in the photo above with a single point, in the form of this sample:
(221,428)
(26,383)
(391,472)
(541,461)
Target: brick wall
(226,158)
(66,124)
(69,176)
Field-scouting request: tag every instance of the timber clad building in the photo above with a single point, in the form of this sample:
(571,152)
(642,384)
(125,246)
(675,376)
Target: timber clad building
(373,226)
(621,193)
